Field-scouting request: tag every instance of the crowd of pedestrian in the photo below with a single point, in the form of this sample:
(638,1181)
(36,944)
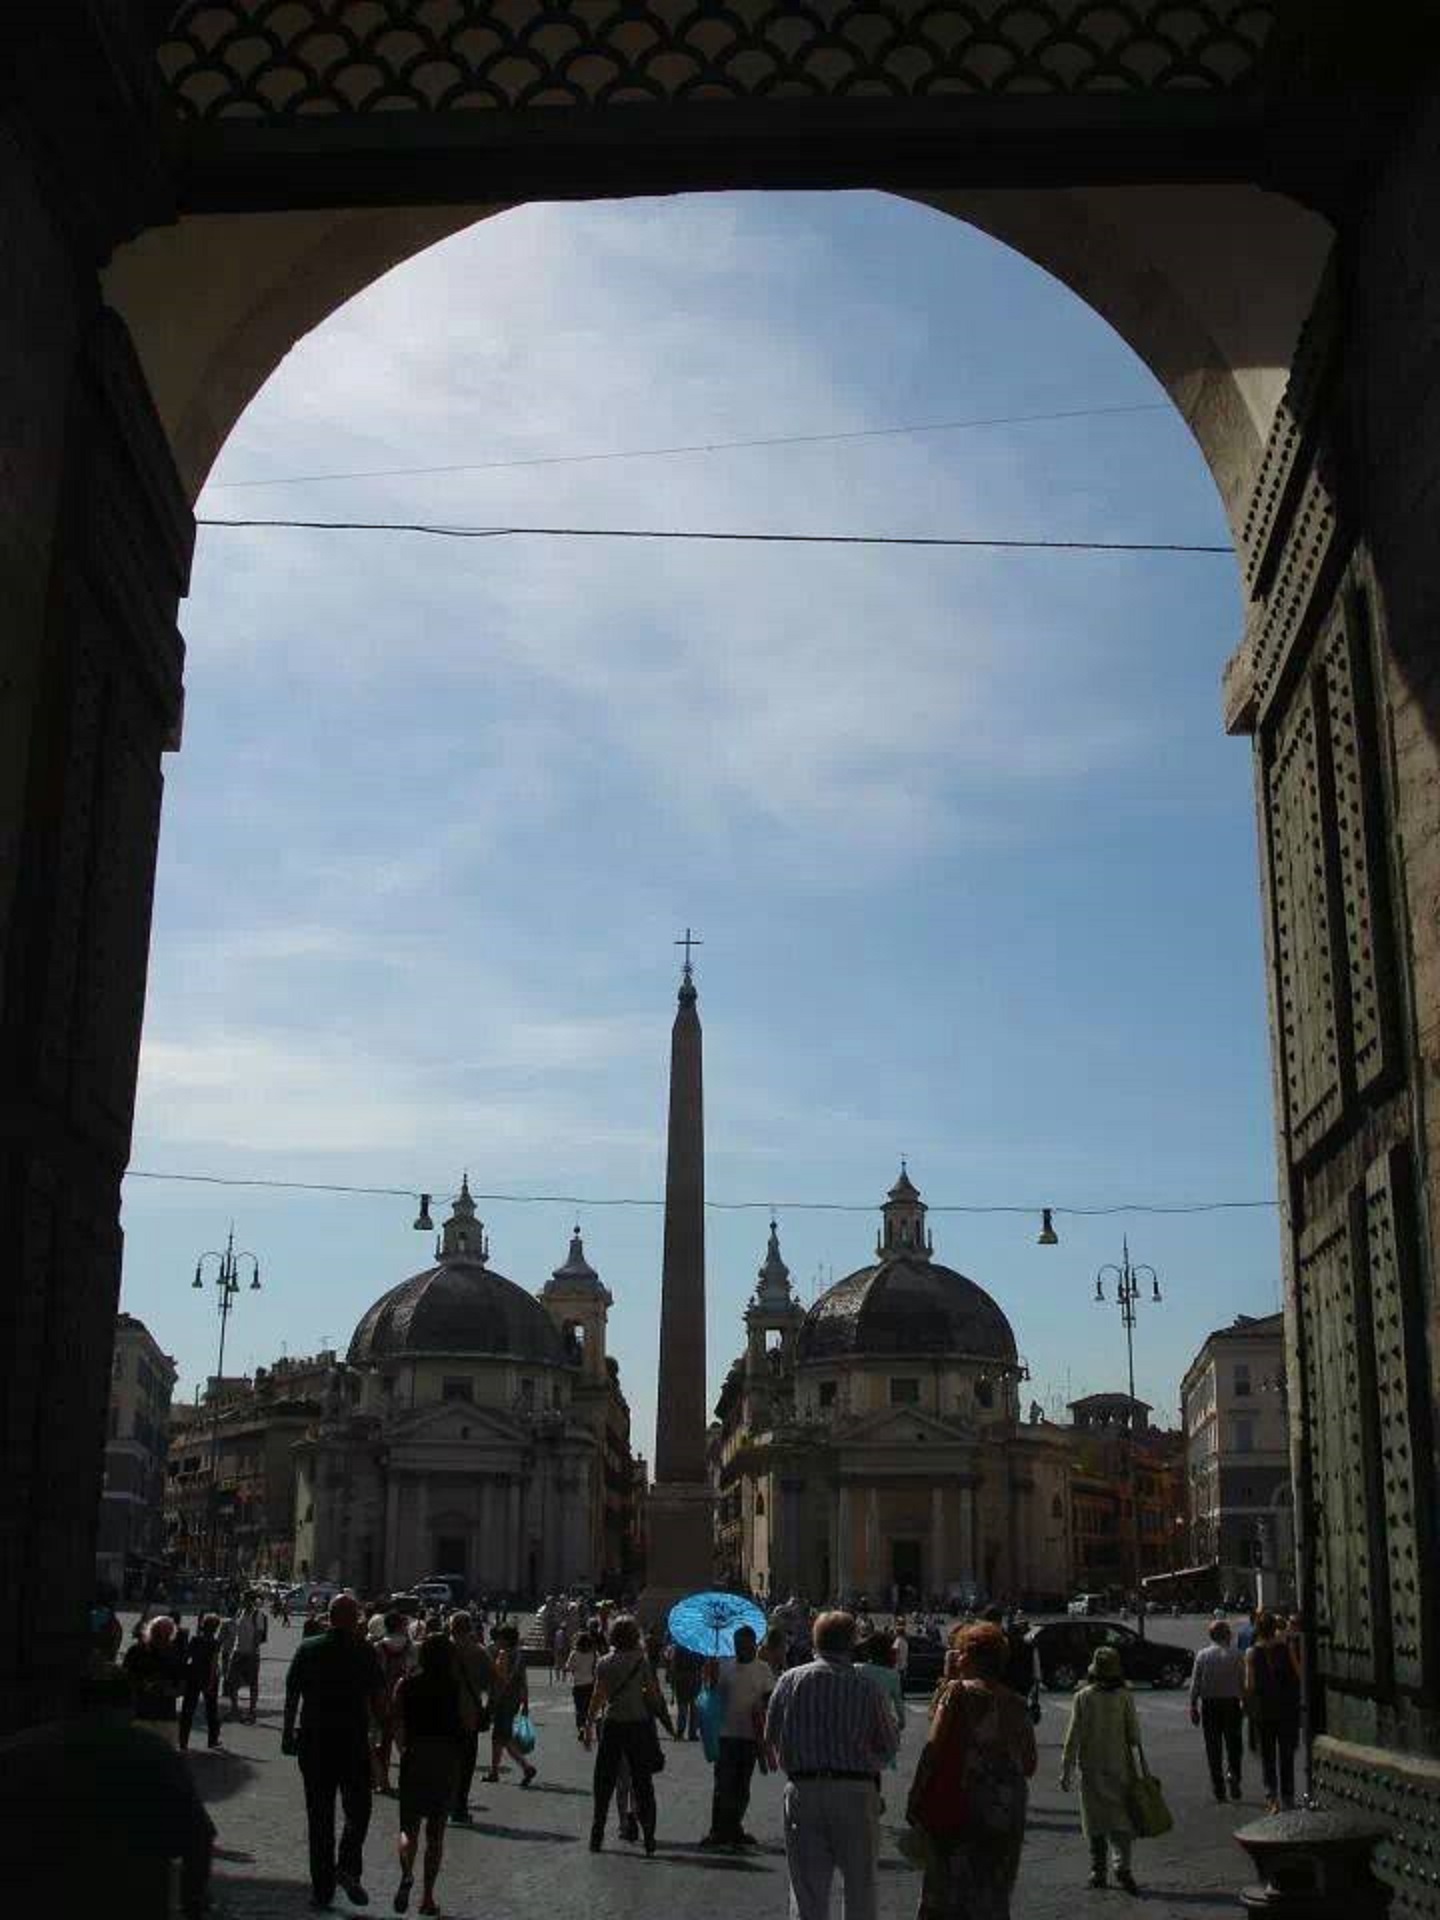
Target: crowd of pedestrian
(378,1704)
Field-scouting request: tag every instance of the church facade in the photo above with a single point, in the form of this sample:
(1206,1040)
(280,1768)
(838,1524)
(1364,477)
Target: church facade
(874,1447)
(474,1429)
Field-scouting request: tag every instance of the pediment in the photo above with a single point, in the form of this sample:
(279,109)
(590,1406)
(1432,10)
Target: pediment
(455,1423)
(901,1427)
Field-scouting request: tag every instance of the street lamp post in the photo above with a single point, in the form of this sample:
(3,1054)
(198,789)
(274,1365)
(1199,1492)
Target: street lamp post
(227,1282)
(1127,1293)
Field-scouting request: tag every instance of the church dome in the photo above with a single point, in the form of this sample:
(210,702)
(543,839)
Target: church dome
(906,1303)
(458,1306)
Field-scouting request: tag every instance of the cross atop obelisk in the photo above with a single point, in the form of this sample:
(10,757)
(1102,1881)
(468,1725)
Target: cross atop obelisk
(690,940)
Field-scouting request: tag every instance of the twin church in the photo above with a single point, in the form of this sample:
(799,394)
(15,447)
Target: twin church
(872,1444)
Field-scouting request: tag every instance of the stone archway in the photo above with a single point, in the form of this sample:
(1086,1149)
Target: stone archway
(1180,167)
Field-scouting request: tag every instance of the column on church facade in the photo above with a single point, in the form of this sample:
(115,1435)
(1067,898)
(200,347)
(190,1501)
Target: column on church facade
(513,1553)
(481,1563)
(969,1536)
(844,1571)
(421,1549)
(873,1579)
(938,1570)
(390,1572)
(577,1559)
(1019,1532)
(790,1573)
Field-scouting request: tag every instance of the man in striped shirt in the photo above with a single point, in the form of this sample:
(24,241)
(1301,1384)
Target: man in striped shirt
(832,1732)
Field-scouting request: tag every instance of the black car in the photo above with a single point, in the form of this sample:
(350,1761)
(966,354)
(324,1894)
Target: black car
(1064,1649)
(925,1664)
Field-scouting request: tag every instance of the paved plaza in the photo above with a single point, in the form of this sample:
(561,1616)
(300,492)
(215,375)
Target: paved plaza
(526,1857)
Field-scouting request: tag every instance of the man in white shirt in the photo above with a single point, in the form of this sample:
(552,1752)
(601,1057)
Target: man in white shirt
(1217,1684)
(902,1648)
(744,1684)
(251,1629)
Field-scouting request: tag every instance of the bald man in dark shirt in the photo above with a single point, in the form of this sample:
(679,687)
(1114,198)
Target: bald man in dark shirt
(333,1688)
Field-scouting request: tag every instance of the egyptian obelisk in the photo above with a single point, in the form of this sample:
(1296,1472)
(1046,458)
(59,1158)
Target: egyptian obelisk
(680,1543)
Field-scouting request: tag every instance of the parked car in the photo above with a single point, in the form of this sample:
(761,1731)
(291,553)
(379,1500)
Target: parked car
(1064,1649)
(310,1593)
(925,1664)
(1087,1603)
(438,1591)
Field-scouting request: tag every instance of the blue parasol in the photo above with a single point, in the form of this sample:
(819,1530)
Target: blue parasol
(706,1622)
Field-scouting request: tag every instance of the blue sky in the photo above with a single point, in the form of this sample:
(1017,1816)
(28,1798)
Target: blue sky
(972,859)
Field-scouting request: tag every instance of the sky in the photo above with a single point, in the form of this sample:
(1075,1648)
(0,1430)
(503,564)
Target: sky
(972,859)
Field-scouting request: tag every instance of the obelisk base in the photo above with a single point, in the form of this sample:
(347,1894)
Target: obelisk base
(680,1548)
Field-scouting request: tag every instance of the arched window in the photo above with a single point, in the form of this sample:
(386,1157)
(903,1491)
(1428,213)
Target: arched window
(759,1506)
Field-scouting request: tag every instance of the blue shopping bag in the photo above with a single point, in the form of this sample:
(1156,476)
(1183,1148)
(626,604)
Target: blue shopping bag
(709,1710)
(524,1733)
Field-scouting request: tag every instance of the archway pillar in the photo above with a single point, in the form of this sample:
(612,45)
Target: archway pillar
(1339,682)
(94,555)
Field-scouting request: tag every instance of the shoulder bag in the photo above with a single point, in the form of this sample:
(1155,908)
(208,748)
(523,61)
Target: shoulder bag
(1145,1804)
(652,1753)
(938,1803)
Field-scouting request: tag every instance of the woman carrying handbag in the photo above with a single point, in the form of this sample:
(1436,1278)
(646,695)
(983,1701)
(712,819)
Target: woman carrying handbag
(629,1697)
(1118,1794)
(968,1799)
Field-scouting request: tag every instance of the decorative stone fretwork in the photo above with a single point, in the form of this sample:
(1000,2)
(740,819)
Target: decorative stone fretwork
(1304,962)
(1273,495)
(1397,1342)
(277,59)
(1403,1792)
(1302,566)
(1334,1407)
(1360,850)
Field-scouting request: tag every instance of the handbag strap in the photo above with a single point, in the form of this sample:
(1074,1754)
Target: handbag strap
(634,1674)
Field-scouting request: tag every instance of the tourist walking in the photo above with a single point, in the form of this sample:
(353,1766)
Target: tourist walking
(397,1656)
(201,1681)
(1217,1693)
(509,1698)
(429,1731)
(1272,1693)
(251,1632)
(775,1649)
(1102,1742)
(744,1685)
(969,1793)
(474,1677)
(580,1670)
(877,1662)
(334,1688)
(832,1731)
(627,1701)
(152,1666)
(687,1671)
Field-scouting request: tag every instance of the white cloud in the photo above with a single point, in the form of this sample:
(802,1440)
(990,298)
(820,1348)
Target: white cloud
(832,697)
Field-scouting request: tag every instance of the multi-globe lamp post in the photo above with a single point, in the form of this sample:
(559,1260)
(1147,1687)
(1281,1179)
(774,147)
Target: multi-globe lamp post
(227,1284)
(1127,1278)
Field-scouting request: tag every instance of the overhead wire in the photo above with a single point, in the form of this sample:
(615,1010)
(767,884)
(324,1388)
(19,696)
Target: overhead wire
(700,446)
(593,1201)
(993,542)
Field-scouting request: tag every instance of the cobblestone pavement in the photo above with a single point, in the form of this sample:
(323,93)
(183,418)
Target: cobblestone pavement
(526,1856)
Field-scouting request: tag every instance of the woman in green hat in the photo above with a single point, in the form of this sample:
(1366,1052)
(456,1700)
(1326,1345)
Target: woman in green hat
(1103,1742)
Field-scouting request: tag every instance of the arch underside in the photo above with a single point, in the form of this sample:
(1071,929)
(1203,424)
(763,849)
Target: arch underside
(1124,149)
